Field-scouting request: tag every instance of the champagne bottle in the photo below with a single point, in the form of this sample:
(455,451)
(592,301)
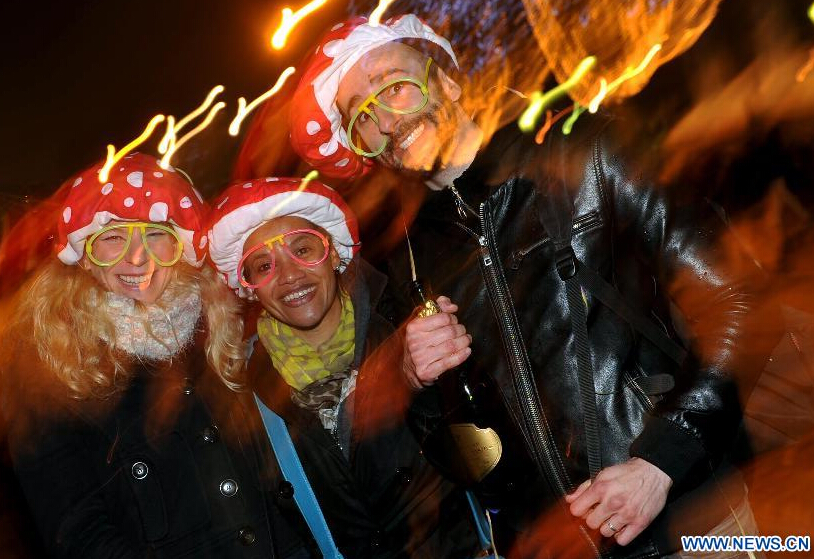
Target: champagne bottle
(463,444)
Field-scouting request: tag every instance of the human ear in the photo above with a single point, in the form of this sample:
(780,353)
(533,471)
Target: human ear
(336,262)
(449,86)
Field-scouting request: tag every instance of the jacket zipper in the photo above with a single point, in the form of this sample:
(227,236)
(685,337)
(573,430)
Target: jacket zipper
(535,424)
(581,223)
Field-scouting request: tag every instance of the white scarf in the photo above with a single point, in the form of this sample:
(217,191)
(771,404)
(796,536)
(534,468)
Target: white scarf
(154,331)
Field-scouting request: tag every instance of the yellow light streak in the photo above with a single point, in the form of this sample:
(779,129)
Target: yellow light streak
(593,106)
(376,15)
(114,156)
(569,122)
(290,19)
(290,199)
(168,139)
(811,13)
(243,109)
(175,146)
(210,97)
(539,100)
(167,142)
(630,72)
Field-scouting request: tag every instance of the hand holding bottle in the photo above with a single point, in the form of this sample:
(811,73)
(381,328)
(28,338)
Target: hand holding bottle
(434,344)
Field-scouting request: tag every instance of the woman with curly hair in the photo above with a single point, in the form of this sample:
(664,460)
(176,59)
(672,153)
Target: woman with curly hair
(125,442)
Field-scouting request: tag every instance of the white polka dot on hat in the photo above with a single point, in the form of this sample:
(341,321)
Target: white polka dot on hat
(169,198)
(239,211)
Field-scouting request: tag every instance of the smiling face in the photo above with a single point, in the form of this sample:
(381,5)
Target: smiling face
(419,141)
(304,297)
(136,275)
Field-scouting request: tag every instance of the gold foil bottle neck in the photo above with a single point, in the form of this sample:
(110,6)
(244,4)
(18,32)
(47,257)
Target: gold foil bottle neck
(429,308)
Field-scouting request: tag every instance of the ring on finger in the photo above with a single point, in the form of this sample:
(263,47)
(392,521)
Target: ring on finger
(612,528)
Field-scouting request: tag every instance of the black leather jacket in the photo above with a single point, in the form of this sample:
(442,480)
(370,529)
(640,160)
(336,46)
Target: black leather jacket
(487,249)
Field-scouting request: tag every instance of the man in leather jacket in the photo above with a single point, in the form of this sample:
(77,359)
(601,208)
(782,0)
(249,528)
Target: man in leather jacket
(509,229)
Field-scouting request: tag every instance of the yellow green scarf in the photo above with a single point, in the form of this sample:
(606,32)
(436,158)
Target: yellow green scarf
(298,362)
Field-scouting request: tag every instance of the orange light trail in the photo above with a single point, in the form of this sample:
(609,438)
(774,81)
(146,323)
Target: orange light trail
(376,15)
(549,122)
(114,156)
(290,19)
(243,109)
(803,72)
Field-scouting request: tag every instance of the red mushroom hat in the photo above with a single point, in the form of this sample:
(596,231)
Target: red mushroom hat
(245,206)
(137,189)
(317,134)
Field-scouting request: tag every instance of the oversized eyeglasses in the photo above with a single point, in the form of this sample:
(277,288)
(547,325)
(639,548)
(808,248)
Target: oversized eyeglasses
(401,96)
(110,244)
(306,247)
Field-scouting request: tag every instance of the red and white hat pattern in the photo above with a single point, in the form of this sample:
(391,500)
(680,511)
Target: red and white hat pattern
(137,189)
(244,206)
(317,134)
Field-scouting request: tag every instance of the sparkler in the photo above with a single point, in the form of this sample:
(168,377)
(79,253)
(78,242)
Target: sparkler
(243,109)
(114,156)
(539,100)
(290,19)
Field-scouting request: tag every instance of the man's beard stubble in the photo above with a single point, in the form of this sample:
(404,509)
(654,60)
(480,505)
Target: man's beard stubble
(443,117)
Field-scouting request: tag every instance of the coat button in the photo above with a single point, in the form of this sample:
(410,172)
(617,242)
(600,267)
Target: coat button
(139,470)
(247,536)
(228,487)
(285,490)
(209,434)
(376,540)
(189,387)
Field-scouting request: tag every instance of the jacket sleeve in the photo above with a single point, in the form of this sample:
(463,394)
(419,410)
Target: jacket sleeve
(713,288)
(50,459)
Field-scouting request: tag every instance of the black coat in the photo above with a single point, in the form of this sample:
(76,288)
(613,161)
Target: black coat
(657,253)
(383,500)
(159,470)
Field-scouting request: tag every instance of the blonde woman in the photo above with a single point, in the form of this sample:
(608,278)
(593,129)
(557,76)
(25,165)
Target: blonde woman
(125,442)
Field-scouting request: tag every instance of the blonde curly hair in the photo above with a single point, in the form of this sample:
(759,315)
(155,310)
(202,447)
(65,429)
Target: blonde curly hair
(55,311)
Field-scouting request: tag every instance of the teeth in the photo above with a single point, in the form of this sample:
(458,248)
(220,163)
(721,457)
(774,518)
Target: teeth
(298,294)
(134,280)
(408,141)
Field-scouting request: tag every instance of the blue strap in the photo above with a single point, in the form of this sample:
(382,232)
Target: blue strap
(283,447)
(481,525)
